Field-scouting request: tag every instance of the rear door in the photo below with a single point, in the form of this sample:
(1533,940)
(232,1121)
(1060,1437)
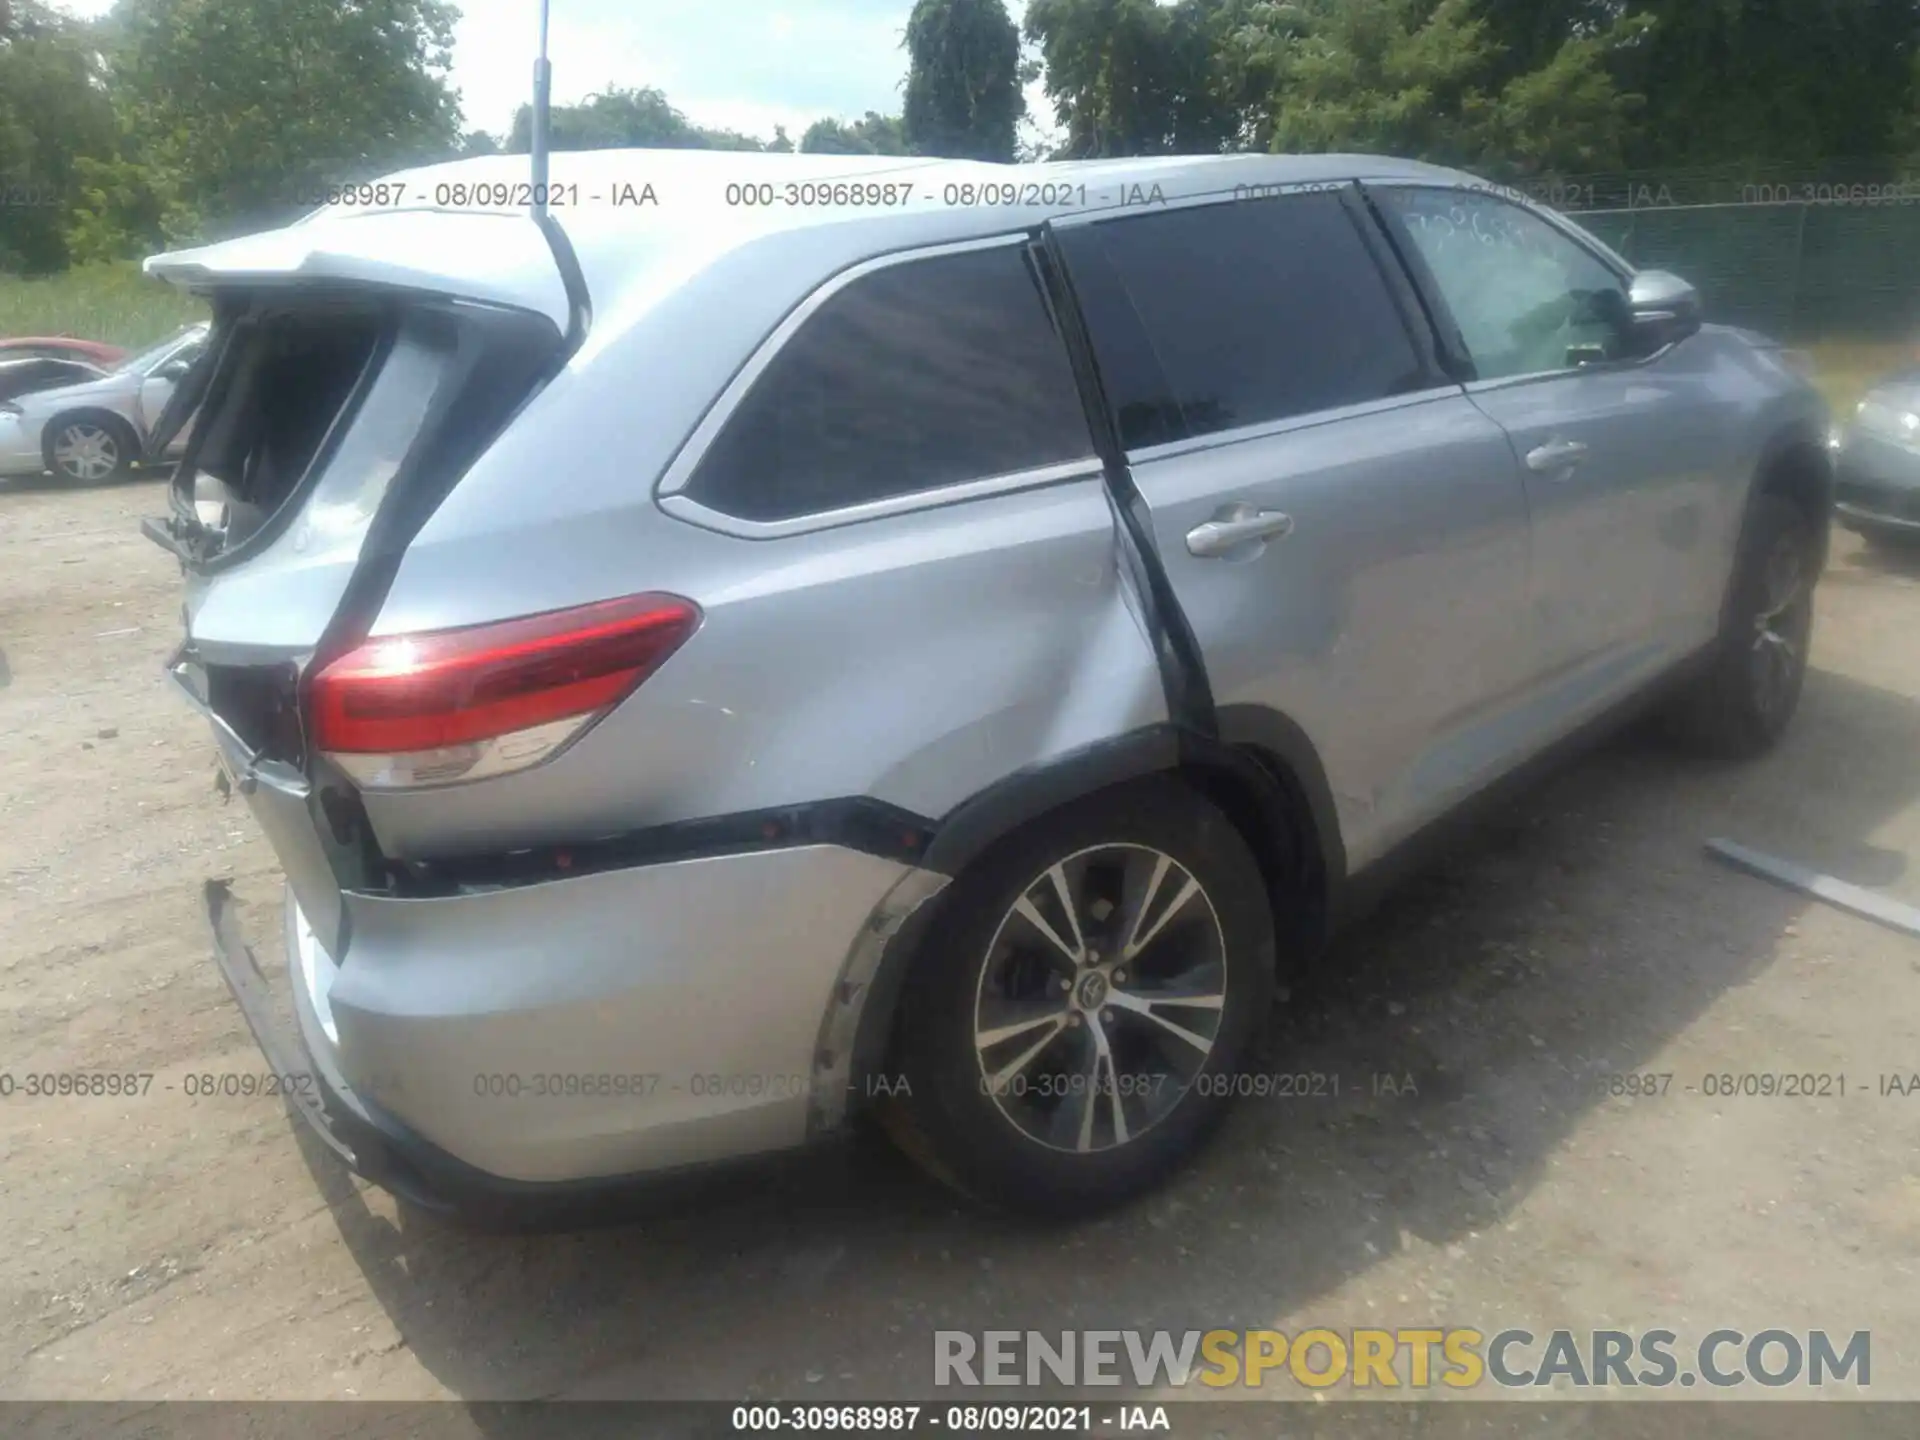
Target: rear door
(1345,531)
(1618,455)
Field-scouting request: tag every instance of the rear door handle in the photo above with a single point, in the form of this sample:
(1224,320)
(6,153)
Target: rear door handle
(1556,455)
(1234,528)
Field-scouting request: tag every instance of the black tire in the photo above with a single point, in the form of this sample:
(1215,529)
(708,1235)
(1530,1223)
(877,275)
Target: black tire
(100,435)
(983,961)
(1742,703)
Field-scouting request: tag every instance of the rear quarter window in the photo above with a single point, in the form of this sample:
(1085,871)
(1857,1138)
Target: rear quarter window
(919,375)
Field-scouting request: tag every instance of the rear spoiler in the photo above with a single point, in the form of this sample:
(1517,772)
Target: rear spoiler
(490,257)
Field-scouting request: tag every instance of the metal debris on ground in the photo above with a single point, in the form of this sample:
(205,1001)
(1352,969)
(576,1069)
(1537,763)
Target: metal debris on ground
(1869,904)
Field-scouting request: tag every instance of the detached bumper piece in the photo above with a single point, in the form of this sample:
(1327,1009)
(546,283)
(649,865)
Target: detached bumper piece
(366,1151)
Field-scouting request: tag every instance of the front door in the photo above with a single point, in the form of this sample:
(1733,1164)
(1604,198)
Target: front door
(1618,455)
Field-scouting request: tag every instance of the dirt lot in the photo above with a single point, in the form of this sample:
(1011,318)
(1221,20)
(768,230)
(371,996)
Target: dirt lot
(167,1247)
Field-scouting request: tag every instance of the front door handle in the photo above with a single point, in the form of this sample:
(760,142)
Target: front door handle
(1556,455)
(1234,529)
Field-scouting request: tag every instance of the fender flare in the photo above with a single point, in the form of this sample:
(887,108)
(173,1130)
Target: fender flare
(1802,434)
(1292,766)
(1263,755)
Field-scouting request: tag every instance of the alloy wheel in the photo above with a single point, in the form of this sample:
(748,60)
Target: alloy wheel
(84,451)
(1101,997)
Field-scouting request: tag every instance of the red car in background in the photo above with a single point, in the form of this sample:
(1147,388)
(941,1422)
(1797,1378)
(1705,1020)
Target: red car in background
(60,347)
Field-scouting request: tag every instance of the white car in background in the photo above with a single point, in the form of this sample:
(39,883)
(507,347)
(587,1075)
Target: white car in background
(96,430)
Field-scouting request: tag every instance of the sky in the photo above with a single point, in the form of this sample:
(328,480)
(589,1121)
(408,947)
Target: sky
(736,64)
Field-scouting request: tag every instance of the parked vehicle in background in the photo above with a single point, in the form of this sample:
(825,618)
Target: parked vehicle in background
(1877,460)
(24,376)
(746,664)
(96,430)
(61,347)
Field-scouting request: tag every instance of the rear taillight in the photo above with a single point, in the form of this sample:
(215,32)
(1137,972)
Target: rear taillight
(453,705)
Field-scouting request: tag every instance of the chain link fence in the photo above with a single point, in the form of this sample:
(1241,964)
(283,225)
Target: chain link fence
(1804,258)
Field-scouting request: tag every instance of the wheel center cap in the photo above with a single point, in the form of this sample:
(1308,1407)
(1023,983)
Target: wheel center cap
(1091,991)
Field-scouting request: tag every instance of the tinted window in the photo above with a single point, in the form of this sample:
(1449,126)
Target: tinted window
(928,373)
(1256,309)
(1526,297)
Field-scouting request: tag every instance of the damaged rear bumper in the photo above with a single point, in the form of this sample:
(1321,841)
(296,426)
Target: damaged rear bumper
(344,1129)
(499,1050)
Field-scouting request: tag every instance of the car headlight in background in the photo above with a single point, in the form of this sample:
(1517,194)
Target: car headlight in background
(1887,417)
(1876,416)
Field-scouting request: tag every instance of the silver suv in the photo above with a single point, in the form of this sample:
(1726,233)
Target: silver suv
(780,638)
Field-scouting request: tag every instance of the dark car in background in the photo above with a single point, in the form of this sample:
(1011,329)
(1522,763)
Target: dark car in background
(1877,462)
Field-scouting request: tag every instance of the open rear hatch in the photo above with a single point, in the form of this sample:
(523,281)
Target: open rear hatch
(331,412)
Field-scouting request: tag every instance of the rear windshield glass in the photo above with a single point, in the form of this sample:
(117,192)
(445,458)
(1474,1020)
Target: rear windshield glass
(289,380)
(293,379)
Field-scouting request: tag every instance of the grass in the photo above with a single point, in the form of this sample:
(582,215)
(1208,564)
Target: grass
(114,303)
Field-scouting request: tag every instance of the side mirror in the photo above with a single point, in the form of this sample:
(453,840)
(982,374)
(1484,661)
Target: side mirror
(1665,308)
(173,370)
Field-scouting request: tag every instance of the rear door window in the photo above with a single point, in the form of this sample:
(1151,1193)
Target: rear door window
(1255,310)
(924,374)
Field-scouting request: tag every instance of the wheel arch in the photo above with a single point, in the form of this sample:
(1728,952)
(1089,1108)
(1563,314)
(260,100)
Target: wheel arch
(1795,465)
(112,419)
(1262,772)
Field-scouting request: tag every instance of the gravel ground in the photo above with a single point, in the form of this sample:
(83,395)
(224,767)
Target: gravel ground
(164,1247)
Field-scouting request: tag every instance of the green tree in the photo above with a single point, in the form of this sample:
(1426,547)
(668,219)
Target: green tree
(476,142)
(963,80)
(1790,81)
(1427,78)
(626,119)
(54,114)
(1132,77)
(871,134)
(117,212)
(235,111)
